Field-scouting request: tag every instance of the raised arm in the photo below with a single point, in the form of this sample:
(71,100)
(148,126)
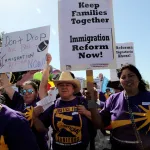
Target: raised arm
(43,84)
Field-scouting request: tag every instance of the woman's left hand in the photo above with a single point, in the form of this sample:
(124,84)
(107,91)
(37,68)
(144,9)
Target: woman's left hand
(81,109)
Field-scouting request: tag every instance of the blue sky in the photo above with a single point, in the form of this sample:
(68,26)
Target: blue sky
(131,19)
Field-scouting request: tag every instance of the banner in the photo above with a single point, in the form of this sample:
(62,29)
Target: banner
(86,35)
(24,50)
(124,55)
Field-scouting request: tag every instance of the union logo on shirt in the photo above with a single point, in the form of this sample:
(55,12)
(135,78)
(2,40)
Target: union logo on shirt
(143,116)
(67,125)
(3,146)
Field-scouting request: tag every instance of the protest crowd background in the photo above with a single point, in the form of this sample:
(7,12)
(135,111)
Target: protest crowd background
(43,107)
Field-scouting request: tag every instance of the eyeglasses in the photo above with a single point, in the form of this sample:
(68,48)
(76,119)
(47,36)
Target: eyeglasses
(29,91)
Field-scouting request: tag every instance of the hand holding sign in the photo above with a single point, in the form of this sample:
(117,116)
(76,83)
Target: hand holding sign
(4,81)
(48,58)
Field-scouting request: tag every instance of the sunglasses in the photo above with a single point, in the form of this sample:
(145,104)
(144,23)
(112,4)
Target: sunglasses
(29,91)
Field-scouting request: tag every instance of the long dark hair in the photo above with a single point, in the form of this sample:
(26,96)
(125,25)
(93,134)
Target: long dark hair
(142,84)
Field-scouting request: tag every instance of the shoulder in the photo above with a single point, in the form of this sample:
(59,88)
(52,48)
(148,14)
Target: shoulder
(6,111)
(115,98)
(10,115)
(116,95)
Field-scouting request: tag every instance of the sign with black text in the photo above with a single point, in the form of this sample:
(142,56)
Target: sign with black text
(24,50)
(124,55)
(86,35)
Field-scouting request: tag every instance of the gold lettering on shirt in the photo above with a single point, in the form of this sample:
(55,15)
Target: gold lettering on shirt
(75,131)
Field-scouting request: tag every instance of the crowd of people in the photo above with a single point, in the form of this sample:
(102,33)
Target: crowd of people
(75,120)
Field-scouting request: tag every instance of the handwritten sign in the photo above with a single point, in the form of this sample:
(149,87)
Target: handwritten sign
(48,100)
(24,50)
(124,55)
(86,35)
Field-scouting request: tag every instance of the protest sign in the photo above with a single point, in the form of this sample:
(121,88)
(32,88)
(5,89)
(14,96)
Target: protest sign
(86,35)
(48,100)
(24,50)
(124,55)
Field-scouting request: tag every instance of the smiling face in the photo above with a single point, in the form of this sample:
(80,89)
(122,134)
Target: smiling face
(66,90)
(29,93)
(129,80)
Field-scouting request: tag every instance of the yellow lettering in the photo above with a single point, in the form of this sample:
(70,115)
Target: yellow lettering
(65,109)
(68,140)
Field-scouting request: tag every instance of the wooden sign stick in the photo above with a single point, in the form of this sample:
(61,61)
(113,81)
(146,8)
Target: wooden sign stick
(89,80)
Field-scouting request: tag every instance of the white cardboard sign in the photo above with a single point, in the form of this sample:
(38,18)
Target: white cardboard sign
(86,35)
(124,55)
(24,50)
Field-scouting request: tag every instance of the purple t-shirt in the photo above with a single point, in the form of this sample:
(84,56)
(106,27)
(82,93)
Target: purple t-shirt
(18,104)
(16,130)
(115,112)
(69,127)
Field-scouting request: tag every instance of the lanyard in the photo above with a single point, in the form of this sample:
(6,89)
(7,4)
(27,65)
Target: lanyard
(133,123)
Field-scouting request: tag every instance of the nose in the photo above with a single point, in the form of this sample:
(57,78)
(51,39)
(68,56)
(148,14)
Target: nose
(127,79)
(64,85)
(26,93)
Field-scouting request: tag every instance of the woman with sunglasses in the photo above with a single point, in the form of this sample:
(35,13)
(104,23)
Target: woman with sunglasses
(25,101)
(28,96)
